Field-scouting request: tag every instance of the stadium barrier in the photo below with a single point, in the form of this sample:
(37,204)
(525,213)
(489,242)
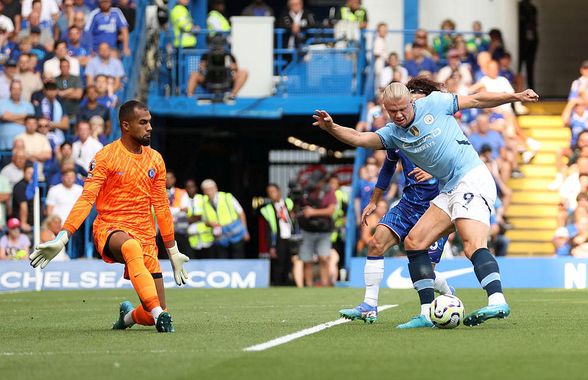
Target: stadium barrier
(96,274)
(544,272)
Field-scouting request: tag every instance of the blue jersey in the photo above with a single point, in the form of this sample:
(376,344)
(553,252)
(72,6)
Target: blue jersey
(434,141)
(578,124)
(414,191)
(104,27)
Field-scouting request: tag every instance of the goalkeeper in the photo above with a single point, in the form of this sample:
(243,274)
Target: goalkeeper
(126,180)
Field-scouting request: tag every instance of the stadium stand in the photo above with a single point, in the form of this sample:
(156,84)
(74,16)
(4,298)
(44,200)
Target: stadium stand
(335,64)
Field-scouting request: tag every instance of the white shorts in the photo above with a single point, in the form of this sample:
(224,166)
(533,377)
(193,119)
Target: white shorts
(473,198)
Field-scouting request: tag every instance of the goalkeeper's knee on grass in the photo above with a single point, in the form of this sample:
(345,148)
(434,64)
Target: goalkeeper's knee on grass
(140,277)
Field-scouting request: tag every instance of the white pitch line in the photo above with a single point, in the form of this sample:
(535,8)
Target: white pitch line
(299,334)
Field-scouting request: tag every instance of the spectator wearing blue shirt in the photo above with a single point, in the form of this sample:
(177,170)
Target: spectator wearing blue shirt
(419,62)
(13,112)
(561,242)
(486,136)
(505,70)
(106,65)
(105,88)
(90,107)
(81,39)
(65,20)
(79,6)
(105,24)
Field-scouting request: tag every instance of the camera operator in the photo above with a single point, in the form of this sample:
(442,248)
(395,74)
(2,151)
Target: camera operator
(318,206)
(218,71)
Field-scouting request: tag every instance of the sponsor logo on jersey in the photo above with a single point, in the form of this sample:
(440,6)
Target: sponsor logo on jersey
(424,143)
(463,142)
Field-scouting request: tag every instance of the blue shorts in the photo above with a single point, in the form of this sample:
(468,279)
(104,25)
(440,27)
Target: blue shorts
(402,218)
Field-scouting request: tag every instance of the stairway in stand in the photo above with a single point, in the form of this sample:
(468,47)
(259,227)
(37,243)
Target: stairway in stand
(533,210)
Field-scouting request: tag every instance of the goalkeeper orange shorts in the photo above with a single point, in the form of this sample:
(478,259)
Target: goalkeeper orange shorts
(102,234)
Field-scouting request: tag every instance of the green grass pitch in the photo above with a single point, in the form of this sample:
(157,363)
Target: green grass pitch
(67,335)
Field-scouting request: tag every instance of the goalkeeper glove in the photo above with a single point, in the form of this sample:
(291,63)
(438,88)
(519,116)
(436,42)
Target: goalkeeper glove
(177,260)
(45,252)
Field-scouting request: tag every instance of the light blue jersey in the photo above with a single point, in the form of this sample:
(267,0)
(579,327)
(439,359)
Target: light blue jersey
(434,141)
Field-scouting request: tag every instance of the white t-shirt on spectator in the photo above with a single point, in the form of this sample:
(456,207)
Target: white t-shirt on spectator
(464,71)
(12,247)
(35,144)
(388,74)
(51,67)
(499,84)
(6,24)
(48,8)
(63,199)
(83,153)
(13,174)
(5,188)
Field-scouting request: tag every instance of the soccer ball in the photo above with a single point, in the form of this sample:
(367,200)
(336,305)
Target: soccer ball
(447,312)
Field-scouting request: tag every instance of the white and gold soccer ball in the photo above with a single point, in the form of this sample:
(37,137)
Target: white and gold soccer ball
(447,312)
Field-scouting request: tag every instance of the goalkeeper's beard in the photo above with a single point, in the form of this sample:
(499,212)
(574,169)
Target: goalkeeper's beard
(144,141)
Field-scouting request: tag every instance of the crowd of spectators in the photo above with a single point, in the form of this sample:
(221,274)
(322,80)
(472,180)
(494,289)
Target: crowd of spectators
(60,68)
(571,236)
(462,64)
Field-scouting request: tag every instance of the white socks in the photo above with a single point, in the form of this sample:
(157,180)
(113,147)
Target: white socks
(426,310)
(128,318)
(496,299)
(156,311)
(441,285)
(373,273)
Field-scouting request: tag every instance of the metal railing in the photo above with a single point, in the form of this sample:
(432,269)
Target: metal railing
(319,64)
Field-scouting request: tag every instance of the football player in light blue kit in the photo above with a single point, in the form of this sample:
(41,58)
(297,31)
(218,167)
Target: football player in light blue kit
(419,191)
(428,134)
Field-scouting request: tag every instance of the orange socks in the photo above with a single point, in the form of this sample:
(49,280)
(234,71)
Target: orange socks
(142,317)
(140,277)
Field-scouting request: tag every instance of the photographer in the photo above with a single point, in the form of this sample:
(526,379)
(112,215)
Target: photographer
(318,206)
(218,71)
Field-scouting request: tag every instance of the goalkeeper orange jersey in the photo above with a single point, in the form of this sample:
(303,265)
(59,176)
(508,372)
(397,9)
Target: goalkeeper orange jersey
(124,187)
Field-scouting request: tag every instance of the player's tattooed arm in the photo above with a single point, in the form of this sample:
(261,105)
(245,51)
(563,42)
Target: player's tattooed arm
(349,136)
(495,99)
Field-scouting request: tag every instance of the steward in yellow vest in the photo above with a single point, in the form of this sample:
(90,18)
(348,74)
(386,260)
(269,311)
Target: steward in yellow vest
(183,26)
(216,21)
(354,12)
(223,213)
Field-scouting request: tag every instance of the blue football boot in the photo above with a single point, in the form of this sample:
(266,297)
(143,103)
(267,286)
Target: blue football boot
(362,311)
(485,313)
(419,321)
(124,309)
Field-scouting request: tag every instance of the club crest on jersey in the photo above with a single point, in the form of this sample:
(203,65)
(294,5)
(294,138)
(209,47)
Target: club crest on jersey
(428,119)
(151,173)
(414,130)
(92,165)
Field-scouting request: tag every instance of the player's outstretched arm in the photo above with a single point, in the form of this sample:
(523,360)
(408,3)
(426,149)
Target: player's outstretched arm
(347,135)
(45,252)
(97,174)
(495,99)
